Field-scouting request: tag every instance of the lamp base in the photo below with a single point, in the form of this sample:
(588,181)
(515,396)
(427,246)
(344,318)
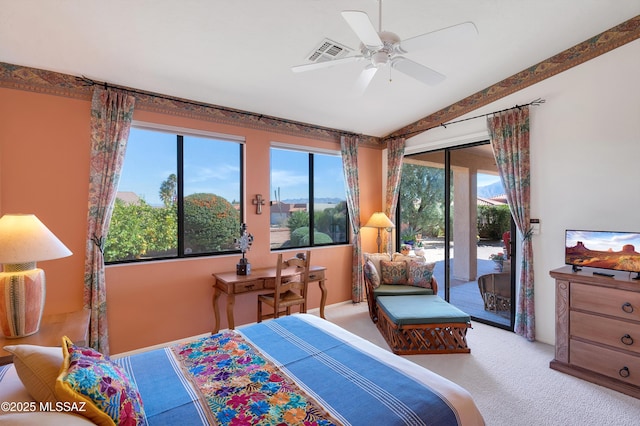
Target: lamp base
(243,267)
(22,295)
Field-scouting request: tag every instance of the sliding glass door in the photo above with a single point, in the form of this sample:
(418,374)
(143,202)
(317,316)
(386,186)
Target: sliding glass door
(453,211)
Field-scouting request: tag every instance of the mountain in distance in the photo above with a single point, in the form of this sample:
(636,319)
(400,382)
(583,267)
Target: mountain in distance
(492,190)
(326,200)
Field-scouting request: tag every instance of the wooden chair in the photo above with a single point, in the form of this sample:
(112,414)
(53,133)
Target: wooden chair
(292,281)
(495,290)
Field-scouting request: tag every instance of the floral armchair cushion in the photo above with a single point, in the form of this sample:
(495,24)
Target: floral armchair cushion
(420,273)
(371,274)
(394,272)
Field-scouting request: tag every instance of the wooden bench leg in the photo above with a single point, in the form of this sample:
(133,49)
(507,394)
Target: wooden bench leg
(414,339)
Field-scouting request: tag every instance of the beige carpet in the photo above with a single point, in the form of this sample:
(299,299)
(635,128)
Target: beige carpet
(510,378)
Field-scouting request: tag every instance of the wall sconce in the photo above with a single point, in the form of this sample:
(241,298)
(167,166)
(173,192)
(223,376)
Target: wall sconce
(24,240)
(379,220)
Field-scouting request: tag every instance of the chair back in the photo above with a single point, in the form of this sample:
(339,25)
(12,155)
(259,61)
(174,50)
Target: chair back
(292,274)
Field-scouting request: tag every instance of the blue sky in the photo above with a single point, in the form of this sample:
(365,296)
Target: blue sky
(213,167)
(484,180)
(290,171)
(210,166)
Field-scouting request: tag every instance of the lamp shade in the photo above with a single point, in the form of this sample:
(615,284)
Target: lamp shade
(379,220)
(23,239)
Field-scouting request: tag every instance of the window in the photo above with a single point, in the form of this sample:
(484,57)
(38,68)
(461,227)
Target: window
(179,195)
(308,193)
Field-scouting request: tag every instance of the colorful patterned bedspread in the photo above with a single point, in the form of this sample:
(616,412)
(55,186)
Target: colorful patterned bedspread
(284,371)
(242,387)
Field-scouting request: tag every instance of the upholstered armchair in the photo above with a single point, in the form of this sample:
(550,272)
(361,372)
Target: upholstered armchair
(387,275)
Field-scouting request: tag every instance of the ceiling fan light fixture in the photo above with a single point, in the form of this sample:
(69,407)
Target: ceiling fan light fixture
(380,59)
(381,48)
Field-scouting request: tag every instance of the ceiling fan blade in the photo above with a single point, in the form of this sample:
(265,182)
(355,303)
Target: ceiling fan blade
(419,72)
(325,64)
(362,26)
(455,34)
(364,79)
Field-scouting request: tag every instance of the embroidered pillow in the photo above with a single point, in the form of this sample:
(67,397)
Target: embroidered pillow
(105,392)
(393,272)
(371,274)
(420,273)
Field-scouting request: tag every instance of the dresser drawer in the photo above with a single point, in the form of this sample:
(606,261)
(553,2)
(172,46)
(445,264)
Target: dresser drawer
(608,301)
(607,331)
(608,362)
(246,286)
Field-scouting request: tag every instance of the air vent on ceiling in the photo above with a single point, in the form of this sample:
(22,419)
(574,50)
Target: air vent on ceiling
(328,50)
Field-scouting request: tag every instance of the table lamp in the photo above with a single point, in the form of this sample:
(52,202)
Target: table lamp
(24,240)
(379,220)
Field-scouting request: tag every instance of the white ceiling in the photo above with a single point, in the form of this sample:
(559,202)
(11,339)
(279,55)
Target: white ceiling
(238,53)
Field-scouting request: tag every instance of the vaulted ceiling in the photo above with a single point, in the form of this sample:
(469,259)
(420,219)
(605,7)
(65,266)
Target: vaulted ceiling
(239,53)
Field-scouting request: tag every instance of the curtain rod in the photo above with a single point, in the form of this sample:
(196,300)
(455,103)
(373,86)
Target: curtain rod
(89,82)
(535,102)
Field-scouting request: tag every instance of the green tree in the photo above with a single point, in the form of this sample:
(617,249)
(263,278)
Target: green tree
(168,191)
(297,220)
(139,229)
(422,199)
(300,237)
(211,223)
(332,221)
(493,221)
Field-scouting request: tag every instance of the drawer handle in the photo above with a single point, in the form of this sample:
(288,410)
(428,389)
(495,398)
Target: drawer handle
(627,340)
(627,307)
(624,372)
(249,286)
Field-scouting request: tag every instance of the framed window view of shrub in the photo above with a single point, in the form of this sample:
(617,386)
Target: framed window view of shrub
(179,195)
(307,193)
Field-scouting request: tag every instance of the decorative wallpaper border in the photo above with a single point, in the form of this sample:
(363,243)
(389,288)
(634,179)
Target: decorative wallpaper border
(58,84)
(578,54)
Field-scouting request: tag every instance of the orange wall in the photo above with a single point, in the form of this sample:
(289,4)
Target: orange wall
(44,154)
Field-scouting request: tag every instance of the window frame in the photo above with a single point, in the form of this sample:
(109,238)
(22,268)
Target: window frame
(310,151)
(180,133)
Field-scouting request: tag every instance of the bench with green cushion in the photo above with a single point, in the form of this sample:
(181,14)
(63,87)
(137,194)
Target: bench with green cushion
(422,324)
(399,290)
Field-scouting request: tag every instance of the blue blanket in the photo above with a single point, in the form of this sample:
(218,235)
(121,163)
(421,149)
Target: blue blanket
(354,387)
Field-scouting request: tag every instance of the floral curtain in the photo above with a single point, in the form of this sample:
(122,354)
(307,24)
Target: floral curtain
(509,131)
(111,114)
(349,150)
(395,155)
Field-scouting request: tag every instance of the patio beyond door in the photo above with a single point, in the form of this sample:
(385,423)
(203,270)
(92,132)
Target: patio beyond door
(453,198)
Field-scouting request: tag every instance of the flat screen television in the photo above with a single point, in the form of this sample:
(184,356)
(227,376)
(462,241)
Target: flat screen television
(616,251)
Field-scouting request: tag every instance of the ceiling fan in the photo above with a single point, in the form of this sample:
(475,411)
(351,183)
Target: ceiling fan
(382,48)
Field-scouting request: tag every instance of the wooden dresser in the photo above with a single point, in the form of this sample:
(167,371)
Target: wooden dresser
(598,328)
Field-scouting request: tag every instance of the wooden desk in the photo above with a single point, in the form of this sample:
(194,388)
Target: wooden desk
(231,284)
(74,325)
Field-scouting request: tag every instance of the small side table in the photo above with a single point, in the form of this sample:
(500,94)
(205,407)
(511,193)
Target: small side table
(74,325)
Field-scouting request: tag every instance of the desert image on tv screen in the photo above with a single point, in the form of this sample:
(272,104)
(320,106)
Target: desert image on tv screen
(607,250)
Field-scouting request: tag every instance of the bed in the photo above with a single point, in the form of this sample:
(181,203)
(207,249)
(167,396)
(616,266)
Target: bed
(298,369)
